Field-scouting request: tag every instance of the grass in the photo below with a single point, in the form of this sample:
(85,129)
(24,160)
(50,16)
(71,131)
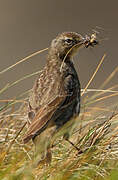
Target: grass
(94,155)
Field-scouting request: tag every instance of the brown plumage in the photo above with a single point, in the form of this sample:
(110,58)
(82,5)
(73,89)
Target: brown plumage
(55,97)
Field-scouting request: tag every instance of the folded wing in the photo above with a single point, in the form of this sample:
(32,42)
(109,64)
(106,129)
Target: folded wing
(42,118)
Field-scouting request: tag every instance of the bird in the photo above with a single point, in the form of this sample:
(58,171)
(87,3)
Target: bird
(55,97)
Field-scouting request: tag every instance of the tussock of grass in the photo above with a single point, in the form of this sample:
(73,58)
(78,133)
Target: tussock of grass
(94,154)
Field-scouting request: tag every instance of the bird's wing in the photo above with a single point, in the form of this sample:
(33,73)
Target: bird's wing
(45,113)
(42,118)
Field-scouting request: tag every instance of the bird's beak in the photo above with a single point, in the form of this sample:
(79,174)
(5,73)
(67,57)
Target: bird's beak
(84,42)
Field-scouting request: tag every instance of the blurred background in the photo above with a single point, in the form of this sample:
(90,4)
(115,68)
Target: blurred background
(28,26)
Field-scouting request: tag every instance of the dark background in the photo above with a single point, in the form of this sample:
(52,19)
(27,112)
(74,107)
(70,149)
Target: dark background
(27,26)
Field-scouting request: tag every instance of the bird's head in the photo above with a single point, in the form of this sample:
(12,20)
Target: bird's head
(68,43)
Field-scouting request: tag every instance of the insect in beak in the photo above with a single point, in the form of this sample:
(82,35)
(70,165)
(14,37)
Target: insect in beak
(90,40)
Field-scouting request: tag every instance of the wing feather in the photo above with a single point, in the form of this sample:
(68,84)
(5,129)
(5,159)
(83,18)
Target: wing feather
(42,118)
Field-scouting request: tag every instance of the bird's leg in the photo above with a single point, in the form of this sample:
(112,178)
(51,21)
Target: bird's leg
(66,137)
(45,160)
(39,159)
(43,146)
(48,156)
(78,149)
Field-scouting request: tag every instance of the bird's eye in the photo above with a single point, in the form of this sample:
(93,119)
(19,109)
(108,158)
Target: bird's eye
(69,41)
